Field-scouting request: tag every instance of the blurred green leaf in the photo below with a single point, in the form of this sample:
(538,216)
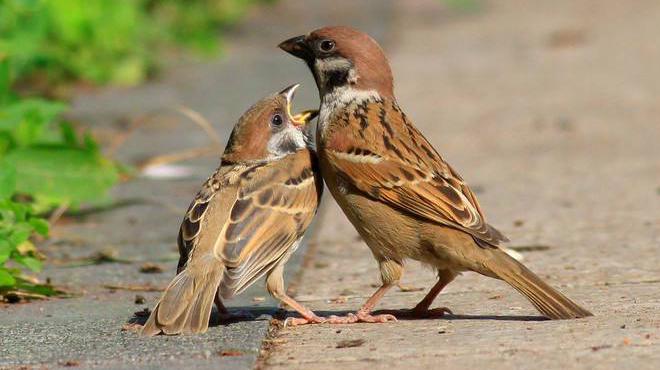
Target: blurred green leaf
(31,263)
(26,120)
(7,179)
(90,145)
(6,279)
(40,225)
(68,134)
(20,232)
(107,41)
(5,251)
(62,175)
(4,80)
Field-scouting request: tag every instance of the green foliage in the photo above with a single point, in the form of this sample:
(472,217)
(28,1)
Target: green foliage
(17,224)
(106,41)
(60,175)
(44,160)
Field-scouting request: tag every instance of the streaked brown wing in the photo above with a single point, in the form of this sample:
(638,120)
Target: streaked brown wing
(390,160)
(274,207)
(222,184)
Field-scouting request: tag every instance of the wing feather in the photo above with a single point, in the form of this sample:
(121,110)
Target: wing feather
(400,167)
(274,208)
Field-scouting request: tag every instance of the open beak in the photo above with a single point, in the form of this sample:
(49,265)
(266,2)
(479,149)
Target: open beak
(297,46)
(302,118)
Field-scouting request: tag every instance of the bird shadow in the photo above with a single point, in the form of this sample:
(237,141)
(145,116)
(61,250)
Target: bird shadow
(406,315)
(239,314)
(243,314)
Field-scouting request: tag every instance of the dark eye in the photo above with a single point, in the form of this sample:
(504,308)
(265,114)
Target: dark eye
(327,45)
(276,120)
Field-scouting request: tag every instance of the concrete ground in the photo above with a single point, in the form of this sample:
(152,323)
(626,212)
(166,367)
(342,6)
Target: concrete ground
(548,109)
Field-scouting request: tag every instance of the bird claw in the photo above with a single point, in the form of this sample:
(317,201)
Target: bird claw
(358,317)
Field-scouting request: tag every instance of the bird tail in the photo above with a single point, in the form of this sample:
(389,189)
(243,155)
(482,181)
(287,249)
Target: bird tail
(549,301)
(186,305)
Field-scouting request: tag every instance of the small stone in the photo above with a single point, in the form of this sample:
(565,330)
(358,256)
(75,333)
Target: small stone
(140,299)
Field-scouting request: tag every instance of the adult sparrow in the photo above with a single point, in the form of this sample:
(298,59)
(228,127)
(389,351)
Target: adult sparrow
(398,192)
(247,219)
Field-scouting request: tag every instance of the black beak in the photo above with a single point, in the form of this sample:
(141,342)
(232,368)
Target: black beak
(297,46)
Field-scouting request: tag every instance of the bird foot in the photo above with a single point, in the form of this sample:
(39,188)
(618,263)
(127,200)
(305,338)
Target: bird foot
(297,321)
(358,317)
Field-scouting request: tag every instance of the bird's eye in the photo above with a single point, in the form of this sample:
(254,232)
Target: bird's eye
(327,45)
(276,120)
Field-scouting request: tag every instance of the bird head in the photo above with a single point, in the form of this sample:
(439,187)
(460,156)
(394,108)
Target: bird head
(269,130)
(343,57)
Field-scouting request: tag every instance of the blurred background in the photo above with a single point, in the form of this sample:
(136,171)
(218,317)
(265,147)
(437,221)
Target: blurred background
(112,113)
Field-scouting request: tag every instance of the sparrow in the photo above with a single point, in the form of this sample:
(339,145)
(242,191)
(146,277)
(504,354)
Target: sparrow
(247,219)
(402,197)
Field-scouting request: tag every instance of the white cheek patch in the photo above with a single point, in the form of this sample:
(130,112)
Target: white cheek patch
(332,64)
(286,141)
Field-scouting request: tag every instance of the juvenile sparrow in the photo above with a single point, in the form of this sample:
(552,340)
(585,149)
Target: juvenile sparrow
(401,196)
(247,219)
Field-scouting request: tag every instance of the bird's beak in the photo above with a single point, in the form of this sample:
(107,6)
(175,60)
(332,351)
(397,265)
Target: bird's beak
(297,46)
(302,118)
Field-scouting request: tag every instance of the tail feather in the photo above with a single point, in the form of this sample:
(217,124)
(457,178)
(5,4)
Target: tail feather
(549,301)
(186,305)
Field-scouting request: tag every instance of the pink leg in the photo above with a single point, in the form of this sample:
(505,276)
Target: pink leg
(422,308)
(275,286)
(308,317)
